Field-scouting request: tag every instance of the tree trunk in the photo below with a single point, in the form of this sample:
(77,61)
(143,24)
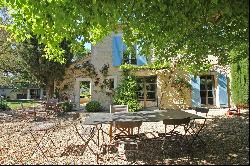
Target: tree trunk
(50,89)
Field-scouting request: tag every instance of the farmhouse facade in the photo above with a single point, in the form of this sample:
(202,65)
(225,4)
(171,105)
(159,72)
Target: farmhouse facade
(156,88)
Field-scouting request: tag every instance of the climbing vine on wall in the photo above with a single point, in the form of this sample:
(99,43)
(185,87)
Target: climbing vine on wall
(89,67)
(157,65)
(104,70)
(125,94)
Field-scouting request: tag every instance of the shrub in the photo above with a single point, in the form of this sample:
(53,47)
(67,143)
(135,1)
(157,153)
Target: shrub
(4,106)
(240,82)
(93,106)
(66,106)
(125,94)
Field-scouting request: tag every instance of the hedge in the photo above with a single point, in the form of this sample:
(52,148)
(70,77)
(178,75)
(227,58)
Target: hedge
(240,82)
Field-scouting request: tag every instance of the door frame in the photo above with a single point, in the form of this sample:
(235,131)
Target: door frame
(77,89)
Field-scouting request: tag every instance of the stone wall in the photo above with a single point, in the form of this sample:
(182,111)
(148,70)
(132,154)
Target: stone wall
(91,68)
(169,96)
(101,56)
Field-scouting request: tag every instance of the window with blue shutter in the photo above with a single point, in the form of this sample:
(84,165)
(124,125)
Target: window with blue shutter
(140,59)
(196,99)
(222,86)
(117,50)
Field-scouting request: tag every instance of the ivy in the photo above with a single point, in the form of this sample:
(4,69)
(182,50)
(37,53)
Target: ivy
(125,94)
(153,66)
(89,67)
(104,70)
(181,83)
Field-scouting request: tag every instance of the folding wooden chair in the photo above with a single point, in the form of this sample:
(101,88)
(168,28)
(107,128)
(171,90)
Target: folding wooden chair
(118,108)
(113,109)
(128,135)
(174,137)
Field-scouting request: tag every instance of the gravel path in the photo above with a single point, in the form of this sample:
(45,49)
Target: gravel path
(226,143)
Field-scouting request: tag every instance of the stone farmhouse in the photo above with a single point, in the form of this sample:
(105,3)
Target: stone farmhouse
(100,72)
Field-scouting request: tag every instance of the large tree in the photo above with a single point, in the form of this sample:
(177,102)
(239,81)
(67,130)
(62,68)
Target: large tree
(45,71)
(191,29)
(23,64)
(13,69)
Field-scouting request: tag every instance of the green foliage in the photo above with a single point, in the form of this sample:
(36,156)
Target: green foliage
(13,69)
(3,105)
(45,71)
(153,66)
(93,106)
(240,82)
(24,64)
(193,29)
(85,89)
(181,82)
(16,104)
(66,106)
(125,94)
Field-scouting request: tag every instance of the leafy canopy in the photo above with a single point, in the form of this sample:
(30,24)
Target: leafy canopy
(189,29)
(13,69)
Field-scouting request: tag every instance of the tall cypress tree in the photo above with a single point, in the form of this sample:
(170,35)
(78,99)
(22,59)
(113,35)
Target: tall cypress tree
(240,82)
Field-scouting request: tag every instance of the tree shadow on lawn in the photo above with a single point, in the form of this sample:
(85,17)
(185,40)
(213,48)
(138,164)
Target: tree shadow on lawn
(227,142)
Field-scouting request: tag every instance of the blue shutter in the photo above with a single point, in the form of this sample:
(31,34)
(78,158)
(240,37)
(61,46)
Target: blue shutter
(223,96)
(117,51)
(196,98)
(140,59)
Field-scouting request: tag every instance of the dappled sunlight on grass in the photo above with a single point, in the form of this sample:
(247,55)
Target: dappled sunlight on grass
(16,104)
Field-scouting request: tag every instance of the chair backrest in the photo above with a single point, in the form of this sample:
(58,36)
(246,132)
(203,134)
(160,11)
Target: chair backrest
(51,104)
(201,110)
(183,121)
(118,108)
(129,124)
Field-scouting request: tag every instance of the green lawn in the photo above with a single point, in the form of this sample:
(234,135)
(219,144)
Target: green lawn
(16,104)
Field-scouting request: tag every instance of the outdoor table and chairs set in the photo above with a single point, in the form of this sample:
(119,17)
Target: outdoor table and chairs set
(125,128)
(106,131)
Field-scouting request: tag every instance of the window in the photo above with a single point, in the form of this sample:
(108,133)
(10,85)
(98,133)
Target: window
(207,91)
(34,93)
(146,88)
(129,60)
(129,56)
(110,83)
